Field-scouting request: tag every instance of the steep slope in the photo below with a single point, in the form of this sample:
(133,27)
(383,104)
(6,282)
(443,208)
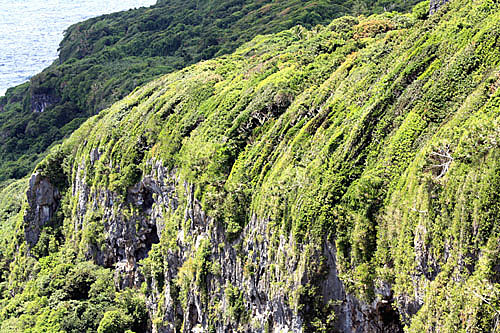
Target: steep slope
(341,178)
(103,59)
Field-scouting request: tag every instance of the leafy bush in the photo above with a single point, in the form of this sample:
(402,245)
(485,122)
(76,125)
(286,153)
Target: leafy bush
(114,321)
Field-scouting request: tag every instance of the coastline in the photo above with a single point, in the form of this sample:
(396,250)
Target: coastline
(32,31)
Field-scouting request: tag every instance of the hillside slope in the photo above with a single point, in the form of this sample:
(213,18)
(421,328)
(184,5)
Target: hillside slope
(103,59)
(343,178)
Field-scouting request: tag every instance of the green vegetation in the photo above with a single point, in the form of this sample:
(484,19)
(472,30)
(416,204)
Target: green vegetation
(377,134)
(12,197)
(65,297)
(103,59)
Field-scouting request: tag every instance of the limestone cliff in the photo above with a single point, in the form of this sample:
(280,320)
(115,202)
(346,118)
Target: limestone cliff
(342,178)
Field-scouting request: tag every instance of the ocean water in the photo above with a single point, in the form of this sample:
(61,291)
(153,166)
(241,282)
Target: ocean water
(31,30)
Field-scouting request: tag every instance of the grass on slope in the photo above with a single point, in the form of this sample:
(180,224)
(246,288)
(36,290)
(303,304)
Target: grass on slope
(103,59)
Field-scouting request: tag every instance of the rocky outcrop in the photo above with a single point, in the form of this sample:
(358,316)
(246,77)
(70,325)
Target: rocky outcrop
(249,265)
(130,228)
(43,200)
(40,102)
(436,4)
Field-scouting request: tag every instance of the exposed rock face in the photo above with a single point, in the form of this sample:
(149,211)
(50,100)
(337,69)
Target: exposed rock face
(436,4)
(43,200)
(40,102)
(247,264)
(130,228)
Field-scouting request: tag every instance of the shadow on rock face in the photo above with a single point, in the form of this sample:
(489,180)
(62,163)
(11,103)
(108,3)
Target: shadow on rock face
(43,200)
